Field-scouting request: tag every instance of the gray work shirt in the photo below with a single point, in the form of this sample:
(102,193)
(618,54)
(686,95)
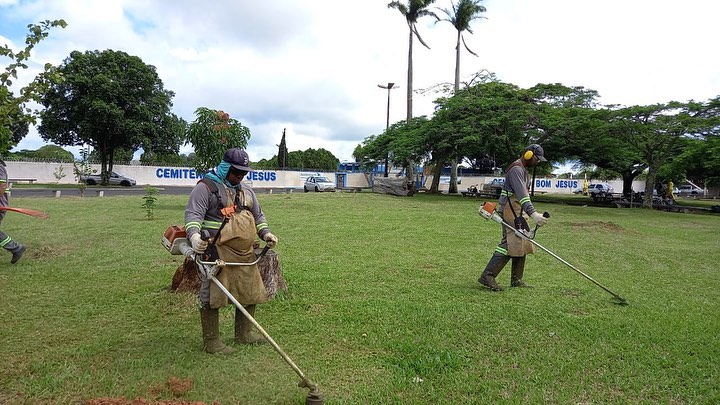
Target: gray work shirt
(203,208)
(516,185)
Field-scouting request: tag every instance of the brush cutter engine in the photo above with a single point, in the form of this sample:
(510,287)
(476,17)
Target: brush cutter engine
(175,241)
(487,211)
(521,228)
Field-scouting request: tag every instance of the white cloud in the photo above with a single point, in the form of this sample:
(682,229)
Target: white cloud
(313,66)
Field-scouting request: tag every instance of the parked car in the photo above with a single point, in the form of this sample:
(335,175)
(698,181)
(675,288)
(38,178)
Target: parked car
(689,189)
(597,188)
(114,180)
(318,183)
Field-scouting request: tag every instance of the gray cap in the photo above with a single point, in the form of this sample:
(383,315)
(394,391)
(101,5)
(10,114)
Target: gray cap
(238,158)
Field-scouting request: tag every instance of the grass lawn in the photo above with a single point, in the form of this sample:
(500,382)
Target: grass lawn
(384,307)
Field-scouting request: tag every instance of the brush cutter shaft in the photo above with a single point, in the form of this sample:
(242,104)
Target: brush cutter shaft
(505,224)
(207,270)
(307,383)
(572,267)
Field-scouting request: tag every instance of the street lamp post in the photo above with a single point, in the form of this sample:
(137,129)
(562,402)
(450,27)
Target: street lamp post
(389,87)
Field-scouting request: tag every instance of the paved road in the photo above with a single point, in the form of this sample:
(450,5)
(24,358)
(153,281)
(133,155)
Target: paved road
(115,191)
(94,191)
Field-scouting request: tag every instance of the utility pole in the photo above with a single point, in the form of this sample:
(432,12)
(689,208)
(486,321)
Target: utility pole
(389,87)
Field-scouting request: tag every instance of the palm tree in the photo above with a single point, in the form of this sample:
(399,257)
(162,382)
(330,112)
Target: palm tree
(414,10)
(461,15)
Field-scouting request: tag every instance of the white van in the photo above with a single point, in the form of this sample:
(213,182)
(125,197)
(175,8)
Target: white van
(689,189)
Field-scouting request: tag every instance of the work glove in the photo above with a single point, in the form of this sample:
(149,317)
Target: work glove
(539,219)
(197,243)
(271,239)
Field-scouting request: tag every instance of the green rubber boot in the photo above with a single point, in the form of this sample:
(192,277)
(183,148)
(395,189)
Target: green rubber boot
(210,320)
(244,329)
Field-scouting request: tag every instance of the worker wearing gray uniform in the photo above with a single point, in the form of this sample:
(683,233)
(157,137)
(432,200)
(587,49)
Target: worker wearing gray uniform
(220,203)
(514,206)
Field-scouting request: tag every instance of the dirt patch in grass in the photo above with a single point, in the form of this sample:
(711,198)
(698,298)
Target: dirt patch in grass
(607,226)
(141,401)
(173,386)
(572,293)
(48,252)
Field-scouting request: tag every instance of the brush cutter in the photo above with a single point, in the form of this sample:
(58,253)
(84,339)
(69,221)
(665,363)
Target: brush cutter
(27,211)
(176,242)
(487,211)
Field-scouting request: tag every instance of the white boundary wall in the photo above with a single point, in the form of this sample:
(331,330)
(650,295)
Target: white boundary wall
(184,176)
(170,176)
(542,185)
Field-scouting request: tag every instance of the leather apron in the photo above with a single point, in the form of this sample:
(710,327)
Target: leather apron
(235,244)
(516,246)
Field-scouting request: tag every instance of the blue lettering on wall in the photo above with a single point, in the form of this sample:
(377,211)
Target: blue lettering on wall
(182,173)
(262,176)
(566,184)
(543,183)
(176,173)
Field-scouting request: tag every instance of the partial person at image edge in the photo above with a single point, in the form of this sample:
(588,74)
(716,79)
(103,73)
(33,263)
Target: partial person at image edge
(17,249)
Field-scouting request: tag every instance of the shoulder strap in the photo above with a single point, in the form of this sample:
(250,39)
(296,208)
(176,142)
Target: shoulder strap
(243,203)
(212,187)
(513,164)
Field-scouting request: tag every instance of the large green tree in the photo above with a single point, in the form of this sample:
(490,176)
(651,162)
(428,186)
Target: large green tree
(408,141)
(572,127)
(501,114)
(699,156)
(489,118)
(491,121)
(460,16)
(15,115)
(164,145)
(654,132)
(120,156)
(587,137)
(107,100)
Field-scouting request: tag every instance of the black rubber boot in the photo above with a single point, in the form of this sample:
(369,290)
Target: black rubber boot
(210,320)
(244,329)
(493,268)
(518,269)
(17,253)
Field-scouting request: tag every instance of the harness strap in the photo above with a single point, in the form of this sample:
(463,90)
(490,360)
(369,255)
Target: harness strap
(508,193)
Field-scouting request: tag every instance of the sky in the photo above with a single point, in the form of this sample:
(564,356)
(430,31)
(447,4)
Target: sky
(312,67)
